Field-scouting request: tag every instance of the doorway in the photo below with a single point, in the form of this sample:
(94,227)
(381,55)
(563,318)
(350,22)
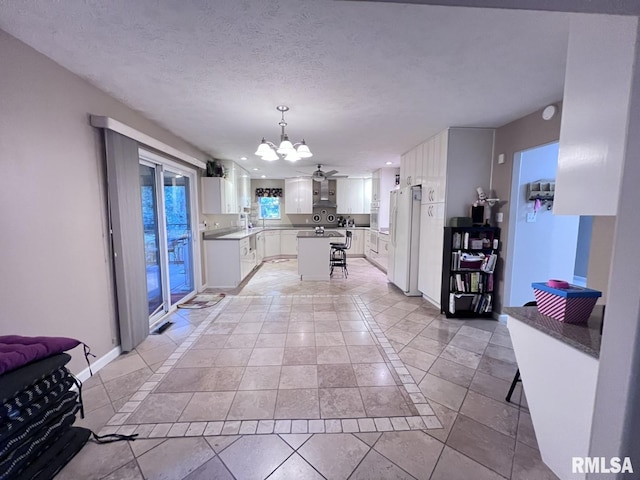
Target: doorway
(542,245)
(168,210)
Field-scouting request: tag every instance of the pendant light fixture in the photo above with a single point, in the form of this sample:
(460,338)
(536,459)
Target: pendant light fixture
(291,152)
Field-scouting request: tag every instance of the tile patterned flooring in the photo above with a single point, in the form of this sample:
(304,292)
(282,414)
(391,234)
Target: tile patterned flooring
(340,379)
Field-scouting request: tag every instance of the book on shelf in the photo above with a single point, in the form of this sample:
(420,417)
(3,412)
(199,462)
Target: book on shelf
(489,263)
(471,282)
(456,241)
(470,303)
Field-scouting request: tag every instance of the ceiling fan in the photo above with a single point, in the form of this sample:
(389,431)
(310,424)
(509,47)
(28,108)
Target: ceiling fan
(318,175)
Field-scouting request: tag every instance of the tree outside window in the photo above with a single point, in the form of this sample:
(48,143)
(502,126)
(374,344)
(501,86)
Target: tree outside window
(269,208)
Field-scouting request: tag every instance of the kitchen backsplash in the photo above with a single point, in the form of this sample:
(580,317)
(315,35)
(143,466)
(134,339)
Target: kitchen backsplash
(233,221)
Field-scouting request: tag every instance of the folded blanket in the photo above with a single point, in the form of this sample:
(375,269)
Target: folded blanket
(13,407)
(17,351)
(54,458)
(16,381)
(16,429)
(49,430)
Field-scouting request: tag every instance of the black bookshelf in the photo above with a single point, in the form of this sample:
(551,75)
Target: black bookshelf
(472,283)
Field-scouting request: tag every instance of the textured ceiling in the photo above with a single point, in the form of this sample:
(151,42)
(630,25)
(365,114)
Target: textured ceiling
(365,81)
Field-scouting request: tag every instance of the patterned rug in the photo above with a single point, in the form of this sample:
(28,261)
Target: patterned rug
(202,301)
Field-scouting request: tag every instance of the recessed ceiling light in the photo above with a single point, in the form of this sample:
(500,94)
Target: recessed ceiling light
(263,176)
(256,169)
(243,158)
(389,163)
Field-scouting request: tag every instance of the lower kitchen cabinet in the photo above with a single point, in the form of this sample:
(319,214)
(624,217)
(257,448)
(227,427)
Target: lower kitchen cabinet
(383,251)
(228,262)
(272,243)
(259,248)
(289,242)
(357,241)
(381,257)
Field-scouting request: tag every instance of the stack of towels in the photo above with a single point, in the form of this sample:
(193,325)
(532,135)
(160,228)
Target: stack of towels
(37,407)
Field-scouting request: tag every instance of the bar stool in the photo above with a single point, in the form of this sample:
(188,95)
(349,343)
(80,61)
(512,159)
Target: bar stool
(516,377)
(338,255)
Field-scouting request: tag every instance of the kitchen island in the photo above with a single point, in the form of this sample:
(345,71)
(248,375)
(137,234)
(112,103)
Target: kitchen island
(558,363)
(314,250)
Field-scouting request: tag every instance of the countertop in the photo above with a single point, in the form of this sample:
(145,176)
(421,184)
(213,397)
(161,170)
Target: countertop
(585,337)
(240,234)
(326,234)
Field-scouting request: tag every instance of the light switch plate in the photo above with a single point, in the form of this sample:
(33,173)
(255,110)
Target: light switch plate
(501,158)
(499,217)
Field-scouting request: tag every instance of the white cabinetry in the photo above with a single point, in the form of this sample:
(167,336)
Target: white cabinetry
(367,195)
(244,189)
(357,241)
(411,167)
(227,195)
(383,252)
(367,243)
(383,181)
(595,114)
(288,242)
(217,193)
(228,262)
(455,163)
(272,243)
(431,245)
(247,258)
(259,248)
(352,196)
(375,186)
(298,195)
(434,168)
(232,172)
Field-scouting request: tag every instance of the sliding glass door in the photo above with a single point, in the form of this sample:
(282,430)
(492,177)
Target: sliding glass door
(167,213)
(152,248)
(178,234)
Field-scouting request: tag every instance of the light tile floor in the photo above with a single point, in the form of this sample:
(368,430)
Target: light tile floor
(341,379)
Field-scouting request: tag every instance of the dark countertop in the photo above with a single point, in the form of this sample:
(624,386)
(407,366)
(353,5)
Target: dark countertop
(585,337)
(238,234)
(313,234)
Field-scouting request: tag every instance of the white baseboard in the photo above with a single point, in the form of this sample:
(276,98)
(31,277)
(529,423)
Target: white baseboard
(100,363)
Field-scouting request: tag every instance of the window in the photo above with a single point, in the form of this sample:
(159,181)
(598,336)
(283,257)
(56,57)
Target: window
(269,208)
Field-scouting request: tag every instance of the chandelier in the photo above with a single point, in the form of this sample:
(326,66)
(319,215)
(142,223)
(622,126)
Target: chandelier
(291,152)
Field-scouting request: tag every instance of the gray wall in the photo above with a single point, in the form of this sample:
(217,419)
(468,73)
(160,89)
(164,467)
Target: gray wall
(584,246)
(545,248)
(56,268)
(522,134)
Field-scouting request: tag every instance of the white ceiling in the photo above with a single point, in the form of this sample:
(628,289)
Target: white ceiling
(365,81)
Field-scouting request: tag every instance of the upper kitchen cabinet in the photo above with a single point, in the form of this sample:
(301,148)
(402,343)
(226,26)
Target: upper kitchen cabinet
(456,162)
(218,196)
(411,167)
(243,189)
(595,114)
(298,195)
(434,168)
(368,193)
(384,180)
(353,195)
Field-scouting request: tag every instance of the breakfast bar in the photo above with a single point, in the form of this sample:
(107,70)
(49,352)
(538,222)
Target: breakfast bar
(558,363)
(313,254)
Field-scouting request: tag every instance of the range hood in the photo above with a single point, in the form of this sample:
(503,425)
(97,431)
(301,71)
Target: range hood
(324,201)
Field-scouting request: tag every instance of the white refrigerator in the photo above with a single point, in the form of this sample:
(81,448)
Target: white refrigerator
(404,241)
